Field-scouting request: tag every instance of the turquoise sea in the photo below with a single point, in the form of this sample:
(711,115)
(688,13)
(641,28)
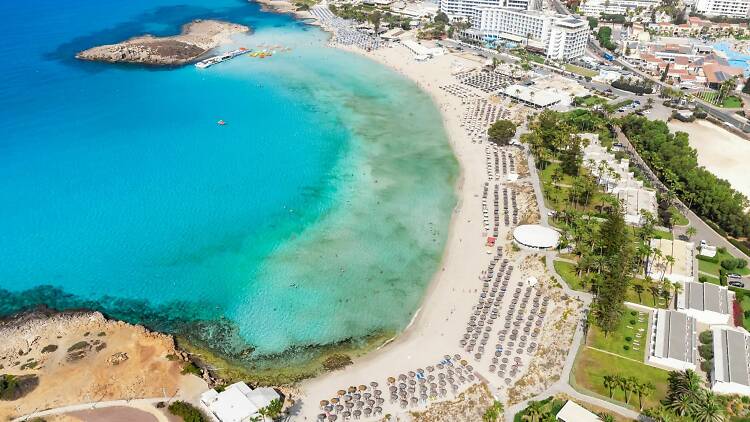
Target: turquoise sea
(318,214)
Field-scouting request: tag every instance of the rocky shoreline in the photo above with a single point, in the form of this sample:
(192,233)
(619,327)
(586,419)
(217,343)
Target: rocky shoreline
(195,40)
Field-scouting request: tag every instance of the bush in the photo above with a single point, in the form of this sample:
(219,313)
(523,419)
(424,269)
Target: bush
(80,345)
(628,339)
(191,368)
(706,351)
(703,279)
(186,411)
(707,366)
(729,264)
(633,313)
(49,348)
(713,259)
(632,322)
(626,347)
(706,337)
(741,263)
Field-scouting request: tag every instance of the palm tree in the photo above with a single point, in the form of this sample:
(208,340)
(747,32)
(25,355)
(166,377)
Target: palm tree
(638,287)
(709,408)
(632,384)
(606,417)
(610,384)
(670,260)
(622,382)
(677,289)
(534,412)
(690,232)
(644,390)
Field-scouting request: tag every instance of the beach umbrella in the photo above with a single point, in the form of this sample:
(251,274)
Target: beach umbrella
(357,413)
(323,403)
(367,411)
(391,380)
(362,387)
(357,396)
(373,384)
(339,408)
(367,395)
(322,417)
(392,389)
(378,410)
(332,417)
(346,414)
(412,374)
(349,405)
(403,403)
(377,393)
(328,408)
(335,400)
(402,377)
(341,392)
(371,402)
(352,389)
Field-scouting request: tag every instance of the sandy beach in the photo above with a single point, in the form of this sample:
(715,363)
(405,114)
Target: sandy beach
(719,151)
(440,323)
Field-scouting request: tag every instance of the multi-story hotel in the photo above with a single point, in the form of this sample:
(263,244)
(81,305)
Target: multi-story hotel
(467,9)
(730,8)
(560,37)
(596,8)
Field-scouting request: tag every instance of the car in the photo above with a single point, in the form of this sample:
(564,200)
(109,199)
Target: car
(618,144)
(734,276)
(736,284)
(703,243)
(621,110)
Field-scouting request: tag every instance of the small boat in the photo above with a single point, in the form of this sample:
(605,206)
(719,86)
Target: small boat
(221,123)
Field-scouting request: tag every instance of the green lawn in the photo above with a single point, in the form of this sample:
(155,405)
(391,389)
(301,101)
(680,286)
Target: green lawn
(744,300)
(630,335)
(580,70)
(646,298)
(732,102)
(729,102)
(713,268)
(591,366)
(568,273)
(679,219)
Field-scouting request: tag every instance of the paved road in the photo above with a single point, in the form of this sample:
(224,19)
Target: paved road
(141,404)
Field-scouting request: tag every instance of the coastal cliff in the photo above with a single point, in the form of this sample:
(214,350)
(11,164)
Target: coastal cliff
(197,38)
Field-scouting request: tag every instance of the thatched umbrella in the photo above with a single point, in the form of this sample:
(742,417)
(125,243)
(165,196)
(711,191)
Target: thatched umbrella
(391,380)
(352,389)
(362,387)
(323,403)
(341,393)
(335,400)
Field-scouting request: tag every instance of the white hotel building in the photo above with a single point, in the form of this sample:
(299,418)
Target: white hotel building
(596,8)
(731,8)
(560,37)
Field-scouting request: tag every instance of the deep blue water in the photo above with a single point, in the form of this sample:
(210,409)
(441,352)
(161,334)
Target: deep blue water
(119,191)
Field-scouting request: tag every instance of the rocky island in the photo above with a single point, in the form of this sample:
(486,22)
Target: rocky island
(196,38)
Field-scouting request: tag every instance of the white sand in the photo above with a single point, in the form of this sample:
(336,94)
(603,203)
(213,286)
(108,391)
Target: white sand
(720,151)
(440,323)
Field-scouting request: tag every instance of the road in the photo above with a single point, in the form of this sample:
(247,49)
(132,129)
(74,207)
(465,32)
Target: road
(146,405)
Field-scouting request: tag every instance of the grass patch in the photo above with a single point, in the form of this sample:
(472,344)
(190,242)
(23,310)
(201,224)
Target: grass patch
(578,70)
(679,219)
(713,268)
(592,365)
(568,273)
(646,298)
(624,341)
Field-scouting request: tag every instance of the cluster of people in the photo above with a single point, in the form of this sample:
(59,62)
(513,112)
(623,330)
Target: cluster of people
(345,31)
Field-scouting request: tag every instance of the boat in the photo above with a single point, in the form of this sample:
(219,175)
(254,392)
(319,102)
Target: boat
(221,123)
(203,64)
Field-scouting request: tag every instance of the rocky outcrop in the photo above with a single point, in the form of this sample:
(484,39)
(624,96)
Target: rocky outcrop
(196,39)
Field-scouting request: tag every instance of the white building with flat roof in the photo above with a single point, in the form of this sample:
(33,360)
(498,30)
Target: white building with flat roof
(467,9)
(730,8)
(238,402)
(596,8)
(535,236)
(707,302)
(561,37)
(531,96)
(731,373)
(673,341)
(574,412)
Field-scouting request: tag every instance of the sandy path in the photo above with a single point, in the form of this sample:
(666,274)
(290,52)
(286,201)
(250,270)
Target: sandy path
(719,151)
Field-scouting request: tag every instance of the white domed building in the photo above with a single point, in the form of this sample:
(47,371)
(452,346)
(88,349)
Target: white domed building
(535,237)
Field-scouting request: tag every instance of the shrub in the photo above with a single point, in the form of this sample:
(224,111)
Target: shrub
(713,259)
(706,351)
(186,411)
(729,264)
(78,346)
(703,279)
(741,263)
(633,313)
(706,366)
(49,348)
(632,322)
(626,347)
(191,368)
(628,339)
(706,337)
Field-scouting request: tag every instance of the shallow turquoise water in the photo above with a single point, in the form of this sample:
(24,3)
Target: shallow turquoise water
(318,214)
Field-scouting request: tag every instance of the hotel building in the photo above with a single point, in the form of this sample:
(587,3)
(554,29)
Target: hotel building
(729,8)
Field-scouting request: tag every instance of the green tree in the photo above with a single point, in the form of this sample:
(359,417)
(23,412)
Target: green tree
(501,132)
(441,17)
(534,412)
(493,412)
(690,232)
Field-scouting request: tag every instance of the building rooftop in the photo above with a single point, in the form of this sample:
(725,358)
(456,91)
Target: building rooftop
(675,337)
(573,412)
(704,297)
(238,402)
(730,357)
(536,236)
(529,94)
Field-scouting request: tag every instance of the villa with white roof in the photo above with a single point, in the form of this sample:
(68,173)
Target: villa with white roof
(673,341)
(730,374)
(238,402)
(709,303)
